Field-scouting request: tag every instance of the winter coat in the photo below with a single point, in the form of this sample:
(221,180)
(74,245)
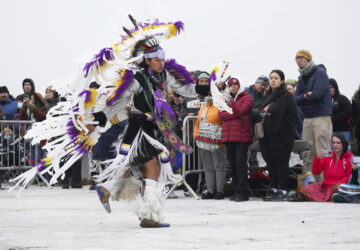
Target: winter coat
(282,113)
(212,116)
(299,123)
(9,109)
(334,172)
(258,99)
(35,112)
(237,126)
(341,110)
(319,102)
(356,112)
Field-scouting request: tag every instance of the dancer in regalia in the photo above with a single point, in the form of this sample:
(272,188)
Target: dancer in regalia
(132,72)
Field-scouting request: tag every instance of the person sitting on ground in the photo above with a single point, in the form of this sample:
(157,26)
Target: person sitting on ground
(350,193)
(337,168)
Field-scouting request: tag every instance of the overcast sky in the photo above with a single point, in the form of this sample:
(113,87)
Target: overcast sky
(47,40)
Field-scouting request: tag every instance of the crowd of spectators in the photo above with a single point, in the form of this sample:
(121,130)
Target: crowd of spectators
(310,108)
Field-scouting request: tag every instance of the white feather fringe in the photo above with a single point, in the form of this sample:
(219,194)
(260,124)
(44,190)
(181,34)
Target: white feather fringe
(151,205)
(128,189)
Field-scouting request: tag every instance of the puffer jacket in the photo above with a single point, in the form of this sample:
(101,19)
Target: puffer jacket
(237,126)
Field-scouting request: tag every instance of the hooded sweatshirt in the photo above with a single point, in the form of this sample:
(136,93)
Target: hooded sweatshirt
(335,172)
(21,97)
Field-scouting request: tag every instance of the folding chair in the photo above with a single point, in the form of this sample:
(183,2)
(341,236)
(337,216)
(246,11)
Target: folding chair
(255,146)
(301,147)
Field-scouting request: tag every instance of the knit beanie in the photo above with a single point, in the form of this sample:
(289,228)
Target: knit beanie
(203,75)
(304,53)
(232,81)
(4,89)
(263,80)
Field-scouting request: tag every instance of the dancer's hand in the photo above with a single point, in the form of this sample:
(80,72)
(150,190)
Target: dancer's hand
(91,128)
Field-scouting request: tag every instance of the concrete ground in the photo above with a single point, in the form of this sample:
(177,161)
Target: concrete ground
(44,218)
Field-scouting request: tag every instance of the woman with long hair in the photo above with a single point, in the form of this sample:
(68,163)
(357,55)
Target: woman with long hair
(279,134)
(337,168)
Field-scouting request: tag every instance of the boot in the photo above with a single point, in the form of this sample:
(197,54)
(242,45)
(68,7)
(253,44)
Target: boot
(146,223)
(104,196)
(150,205)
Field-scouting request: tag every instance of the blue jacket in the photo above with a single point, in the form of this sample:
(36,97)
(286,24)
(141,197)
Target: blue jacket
(319,102)
(9,109)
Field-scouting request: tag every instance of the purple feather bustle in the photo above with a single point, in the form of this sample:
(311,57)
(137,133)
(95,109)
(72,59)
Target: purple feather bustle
(88,95)
(179,72)
(212,76)
(126,80)
(73,134)
(106,54)
(40,165)
(179,26)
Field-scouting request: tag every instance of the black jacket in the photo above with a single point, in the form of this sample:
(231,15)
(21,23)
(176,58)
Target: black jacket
(282,113)
(356,112)
(341,110)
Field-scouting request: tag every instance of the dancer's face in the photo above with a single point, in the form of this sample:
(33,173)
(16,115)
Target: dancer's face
(155,64)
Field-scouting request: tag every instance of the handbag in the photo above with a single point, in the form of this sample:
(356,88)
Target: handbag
(209,135)
(259,129)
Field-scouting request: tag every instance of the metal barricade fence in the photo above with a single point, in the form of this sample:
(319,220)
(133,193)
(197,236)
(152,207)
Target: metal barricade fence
(191,162)
(17,154)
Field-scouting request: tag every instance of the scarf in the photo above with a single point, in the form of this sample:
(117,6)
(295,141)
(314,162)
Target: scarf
(307,69)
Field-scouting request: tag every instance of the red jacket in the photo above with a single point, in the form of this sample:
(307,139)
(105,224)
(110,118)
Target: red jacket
(237,126)
(334,172)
